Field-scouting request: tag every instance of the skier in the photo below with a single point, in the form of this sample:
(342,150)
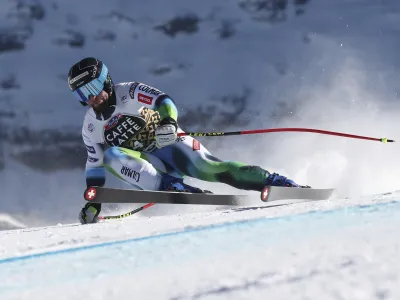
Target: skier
(131,129)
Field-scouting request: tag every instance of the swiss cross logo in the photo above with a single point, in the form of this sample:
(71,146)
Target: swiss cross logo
(264,194)
(90,194)
(145,99)
(196,145)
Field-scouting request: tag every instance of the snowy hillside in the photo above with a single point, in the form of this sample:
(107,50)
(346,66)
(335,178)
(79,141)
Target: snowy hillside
(241,64)
(230,65)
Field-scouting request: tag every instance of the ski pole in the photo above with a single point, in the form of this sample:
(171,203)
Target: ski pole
(128,213)
(200,134)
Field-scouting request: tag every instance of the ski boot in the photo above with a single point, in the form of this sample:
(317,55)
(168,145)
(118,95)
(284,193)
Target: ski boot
(174,184)
(275,179)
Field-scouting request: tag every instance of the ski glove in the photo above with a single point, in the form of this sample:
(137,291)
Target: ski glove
(90,213)
(166,132)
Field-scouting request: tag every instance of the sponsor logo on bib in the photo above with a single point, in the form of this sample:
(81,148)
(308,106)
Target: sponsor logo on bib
(121,128)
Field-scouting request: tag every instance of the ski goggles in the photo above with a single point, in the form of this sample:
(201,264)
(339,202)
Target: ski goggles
(93,87)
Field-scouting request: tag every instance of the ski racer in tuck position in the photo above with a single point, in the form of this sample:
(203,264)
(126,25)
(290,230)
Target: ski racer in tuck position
(131,129)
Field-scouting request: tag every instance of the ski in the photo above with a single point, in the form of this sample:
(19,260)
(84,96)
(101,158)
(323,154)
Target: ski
(112,195)
(271,193)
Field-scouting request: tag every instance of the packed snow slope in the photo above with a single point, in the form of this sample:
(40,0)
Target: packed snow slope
(230,65)
(336,249)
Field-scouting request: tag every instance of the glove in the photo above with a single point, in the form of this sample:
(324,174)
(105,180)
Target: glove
(90,213)
(166,132)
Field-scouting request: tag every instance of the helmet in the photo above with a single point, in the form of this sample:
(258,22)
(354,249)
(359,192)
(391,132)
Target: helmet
(89,76)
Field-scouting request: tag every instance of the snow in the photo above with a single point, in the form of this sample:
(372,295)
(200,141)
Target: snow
(334,67)
(339,248)
(8,222)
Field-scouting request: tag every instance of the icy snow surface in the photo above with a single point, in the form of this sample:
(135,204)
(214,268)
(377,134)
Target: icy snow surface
(335,249)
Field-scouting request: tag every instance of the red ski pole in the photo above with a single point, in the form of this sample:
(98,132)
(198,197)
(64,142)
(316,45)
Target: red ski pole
(383,140)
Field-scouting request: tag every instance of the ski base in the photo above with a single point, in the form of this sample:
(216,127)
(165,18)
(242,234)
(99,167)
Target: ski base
(270,193)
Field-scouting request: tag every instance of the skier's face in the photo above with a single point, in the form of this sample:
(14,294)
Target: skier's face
(99,102)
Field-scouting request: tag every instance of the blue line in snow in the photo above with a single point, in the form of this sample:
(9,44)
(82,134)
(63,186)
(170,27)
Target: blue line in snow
(357,208)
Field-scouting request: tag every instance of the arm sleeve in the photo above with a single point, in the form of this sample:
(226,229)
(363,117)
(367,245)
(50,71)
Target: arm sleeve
(94,170)
(166,107)
(153,98)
